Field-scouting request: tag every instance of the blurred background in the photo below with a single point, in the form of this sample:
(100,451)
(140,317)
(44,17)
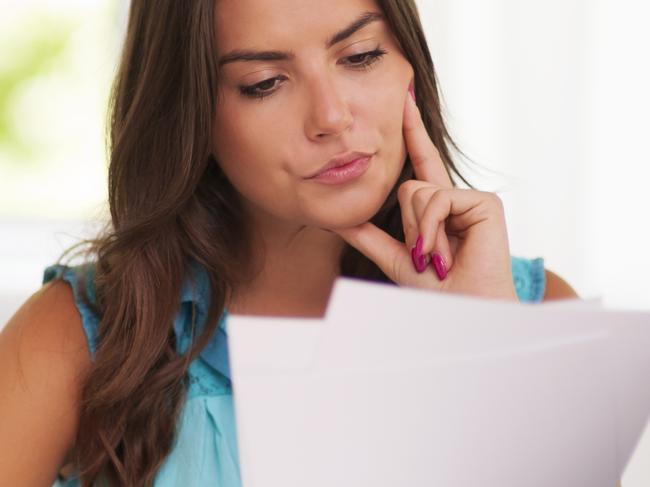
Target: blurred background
(57,61)
(549,99)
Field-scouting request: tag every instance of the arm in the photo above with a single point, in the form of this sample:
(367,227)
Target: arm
(557,288)
(43,358)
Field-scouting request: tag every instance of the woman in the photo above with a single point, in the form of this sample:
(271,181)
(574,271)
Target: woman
(225,117)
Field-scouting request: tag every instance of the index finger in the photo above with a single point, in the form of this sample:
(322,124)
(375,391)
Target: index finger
(424,155)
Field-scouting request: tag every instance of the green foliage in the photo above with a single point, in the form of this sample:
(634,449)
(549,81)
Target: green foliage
(32,49)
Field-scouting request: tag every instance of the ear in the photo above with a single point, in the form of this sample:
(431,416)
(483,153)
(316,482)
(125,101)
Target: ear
(557,288)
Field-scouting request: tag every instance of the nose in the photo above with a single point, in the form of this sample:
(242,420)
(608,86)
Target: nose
(328,113)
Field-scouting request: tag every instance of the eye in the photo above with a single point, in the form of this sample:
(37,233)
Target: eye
(357,61)
(261,89)
(364,59)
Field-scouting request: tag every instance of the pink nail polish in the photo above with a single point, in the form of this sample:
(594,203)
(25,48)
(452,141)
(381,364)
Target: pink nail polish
(419,260)
(439,265)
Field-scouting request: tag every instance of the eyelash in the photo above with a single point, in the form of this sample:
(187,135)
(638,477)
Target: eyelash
(370,57)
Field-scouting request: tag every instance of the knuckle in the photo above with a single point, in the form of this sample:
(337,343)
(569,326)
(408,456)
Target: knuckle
(496,201)
(441,197)
(410,232)
(492,204)
(421,195)
(406,188)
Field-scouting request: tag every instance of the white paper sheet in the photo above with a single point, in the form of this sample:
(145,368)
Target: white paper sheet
(400,386)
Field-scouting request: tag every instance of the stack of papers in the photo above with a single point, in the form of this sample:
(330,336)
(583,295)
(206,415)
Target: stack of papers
(406,387)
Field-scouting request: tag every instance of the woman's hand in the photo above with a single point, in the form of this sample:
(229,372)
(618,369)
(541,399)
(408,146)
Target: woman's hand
(466,228)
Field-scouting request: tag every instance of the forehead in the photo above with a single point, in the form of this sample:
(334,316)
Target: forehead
(281,23)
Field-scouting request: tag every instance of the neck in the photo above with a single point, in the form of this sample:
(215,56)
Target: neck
(294,270)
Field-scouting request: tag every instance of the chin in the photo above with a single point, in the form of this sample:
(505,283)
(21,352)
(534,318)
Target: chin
(357,203)
(348,212)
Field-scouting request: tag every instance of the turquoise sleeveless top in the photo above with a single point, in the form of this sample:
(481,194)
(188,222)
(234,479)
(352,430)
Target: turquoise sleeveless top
(205,450)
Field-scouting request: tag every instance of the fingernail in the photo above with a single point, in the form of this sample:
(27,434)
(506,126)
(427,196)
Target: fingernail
(412,91)
(439,265)
(419,261)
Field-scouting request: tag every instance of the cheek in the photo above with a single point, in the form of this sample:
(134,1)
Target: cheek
(250,136)
(241,144)
(234,142)
(386,103)
(388,114)
(249,151)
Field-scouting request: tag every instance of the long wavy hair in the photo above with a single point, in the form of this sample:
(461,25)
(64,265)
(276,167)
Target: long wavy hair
(170,204)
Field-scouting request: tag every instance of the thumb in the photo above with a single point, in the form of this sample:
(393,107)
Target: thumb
(389,254)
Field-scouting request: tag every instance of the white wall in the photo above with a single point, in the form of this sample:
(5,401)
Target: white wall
(26,248)
(552,96)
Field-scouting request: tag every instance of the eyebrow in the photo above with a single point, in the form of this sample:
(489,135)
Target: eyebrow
(251,55)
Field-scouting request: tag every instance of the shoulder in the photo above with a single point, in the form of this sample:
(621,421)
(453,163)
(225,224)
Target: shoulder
(535,283)
(50,322)
(43,359)
(46,332)
(557,287)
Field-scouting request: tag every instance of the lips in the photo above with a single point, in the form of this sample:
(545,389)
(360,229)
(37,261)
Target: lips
(340,160)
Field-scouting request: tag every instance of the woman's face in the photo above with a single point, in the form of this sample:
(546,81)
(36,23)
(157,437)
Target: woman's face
(282,117)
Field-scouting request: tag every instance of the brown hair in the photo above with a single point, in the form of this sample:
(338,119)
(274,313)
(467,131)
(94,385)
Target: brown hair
(170,204)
